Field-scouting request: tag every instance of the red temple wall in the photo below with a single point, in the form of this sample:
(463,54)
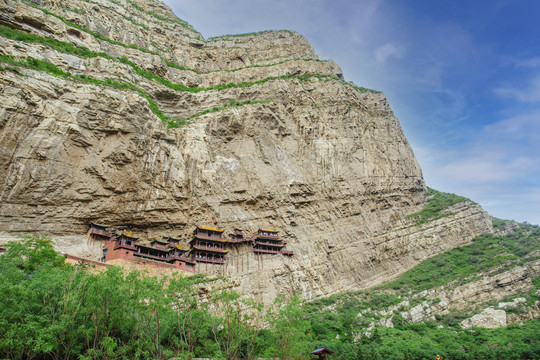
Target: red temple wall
(119,253)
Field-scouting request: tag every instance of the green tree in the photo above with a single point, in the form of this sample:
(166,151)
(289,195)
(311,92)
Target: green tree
(233,330)
(291,331)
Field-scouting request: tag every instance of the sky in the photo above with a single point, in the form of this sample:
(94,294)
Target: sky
(462,76)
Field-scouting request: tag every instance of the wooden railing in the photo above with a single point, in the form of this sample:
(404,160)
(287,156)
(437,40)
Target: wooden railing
(159,258)
(268,243)
(210,237)
(176,257)
(213,261)
(209,248)
(270,236)
(125,244)
(239,241)
(99,232)
(263,251)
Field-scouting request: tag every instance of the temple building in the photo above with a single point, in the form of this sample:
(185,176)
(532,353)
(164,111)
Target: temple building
(322,352)
(164,252)
(208,245)
(269,242)
(99,232)
(237,238)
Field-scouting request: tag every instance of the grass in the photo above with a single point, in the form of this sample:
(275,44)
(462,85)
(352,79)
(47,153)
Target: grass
(437,203)
(266,65)
(232,103)
(352,313)
(86,53)
(61,46)
(45,66)
(128,18)
(485,253)
(96,34)
(251,33)
(68,48)
(163,18)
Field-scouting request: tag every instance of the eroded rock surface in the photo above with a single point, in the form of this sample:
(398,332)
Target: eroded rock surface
(325,163)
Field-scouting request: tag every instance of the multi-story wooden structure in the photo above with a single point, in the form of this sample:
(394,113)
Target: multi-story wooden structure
(166,251)
(237,238)
(268,242)
(99,232)
(208,245)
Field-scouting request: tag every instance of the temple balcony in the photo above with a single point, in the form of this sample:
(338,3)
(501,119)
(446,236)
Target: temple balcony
(152,257)
(177,257)
(239,241)
(264,251)
(211,261)
(126,244)
(268,236)
(204,236)
(269,243)
(211,249)
(100,232)
(287,252)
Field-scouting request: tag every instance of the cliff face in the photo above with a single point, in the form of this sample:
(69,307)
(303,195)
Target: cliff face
(292,147)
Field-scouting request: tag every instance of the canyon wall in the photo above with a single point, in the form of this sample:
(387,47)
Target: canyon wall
(272,137)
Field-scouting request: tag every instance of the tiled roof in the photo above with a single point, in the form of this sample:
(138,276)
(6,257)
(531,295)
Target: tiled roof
(209,228)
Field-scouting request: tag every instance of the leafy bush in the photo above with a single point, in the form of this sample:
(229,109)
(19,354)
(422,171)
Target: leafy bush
(54,310)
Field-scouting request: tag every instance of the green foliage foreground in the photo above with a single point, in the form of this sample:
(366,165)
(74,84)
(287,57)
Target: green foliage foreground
(52,310)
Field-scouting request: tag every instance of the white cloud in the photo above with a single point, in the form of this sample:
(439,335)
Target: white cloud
(486,168)
(506,188)
(386,51)
(523,127)
(527,93)
(529,63)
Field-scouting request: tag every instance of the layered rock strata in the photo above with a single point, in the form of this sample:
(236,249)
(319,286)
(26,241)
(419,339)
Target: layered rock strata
(288,145)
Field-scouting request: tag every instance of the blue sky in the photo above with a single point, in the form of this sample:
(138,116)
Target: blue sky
(462,76)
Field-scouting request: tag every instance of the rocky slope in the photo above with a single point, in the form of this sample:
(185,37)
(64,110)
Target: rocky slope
(274,138)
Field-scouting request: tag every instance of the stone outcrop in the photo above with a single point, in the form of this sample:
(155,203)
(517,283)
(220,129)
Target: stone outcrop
(322,161)
(468,295)
(489,318)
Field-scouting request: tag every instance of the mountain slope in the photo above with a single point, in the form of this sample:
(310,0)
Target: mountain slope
(118,112)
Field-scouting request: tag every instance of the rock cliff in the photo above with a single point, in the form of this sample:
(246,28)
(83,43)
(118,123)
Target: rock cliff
(116,111)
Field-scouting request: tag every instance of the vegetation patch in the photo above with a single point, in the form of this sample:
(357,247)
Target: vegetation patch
(458,265)
(53,310)
(437,202)
(251,33)
(35,64)
(45,66)
(266,65)
(173,65)
(232,103)
(86,53)
(163,18)
(347,322)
